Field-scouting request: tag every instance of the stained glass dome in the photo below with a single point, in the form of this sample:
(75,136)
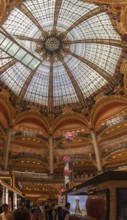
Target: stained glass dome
(59,53)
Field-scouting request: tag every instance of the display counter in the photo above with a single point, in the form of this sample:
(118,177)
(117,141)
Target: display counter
(9,193)
(112,185)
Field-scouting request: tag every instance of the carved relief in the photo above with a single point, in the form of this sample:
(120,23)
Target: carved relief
(124,71)
(118,9)
(123,20)
(119,17)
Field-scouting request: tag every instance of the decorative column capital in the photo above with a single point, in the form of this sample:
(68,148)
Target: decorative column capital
(92,129)
(91,126)
(50,134)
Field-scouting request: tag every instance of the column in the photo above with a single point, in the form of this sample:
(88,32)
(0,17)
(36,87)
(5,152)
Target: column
(51,154)
(20,201)
(7,195)
(14,200)
(93,136)
(6,151)
(3,195)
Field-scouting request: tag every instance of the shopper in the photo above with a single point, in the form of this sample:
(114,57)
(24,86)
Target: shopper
(64,213)
(24,213)
(6,214)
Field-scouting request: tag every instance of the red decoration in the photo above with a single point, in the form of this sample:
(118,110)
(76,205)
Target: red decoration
(66,158)
(61,191)
(67,172)
(70,136)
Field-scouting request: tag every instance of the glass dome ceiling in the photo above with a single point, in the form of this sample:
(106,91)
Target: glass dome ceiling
(59,52)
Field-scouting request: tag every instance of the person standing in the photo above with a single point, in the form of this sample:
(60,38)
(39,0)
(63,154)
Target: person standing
(64,213)
(6,214)
(23,213)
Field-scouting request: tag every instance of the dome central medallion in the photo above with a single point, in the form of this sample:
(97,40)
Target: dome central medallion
(52,44)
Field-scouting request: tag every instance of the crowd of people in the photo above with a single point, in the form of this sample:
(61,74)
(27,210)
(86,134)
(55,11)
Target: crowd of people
(95,207)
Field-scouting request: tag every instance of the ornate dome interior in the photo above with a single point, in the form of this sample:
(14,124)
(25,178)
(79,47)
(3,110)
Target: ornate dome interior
(62,69)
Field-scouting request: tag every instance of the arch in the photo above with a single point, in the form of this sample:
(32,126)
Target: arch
(106,107)
(69,117)
(32,117)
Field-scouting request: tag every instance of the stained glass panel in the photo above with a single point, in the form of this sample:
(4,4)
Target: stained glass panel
(27,25)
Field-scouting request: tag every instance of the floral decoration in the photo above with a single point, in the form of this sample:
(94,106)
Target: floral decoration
(67,172)
(66,158)
(70,136)
(61,191)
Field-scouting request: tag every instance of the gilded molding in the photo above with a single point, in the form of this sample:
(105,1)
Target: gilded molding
(106,1)
(5,7)
(106,100)
(69,115)
(4,100)
(118,9)
(32,115)
(124,71)
(119,17)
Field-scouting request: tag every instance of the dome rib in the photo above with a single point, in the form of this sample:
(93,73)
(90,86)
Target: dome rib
(100,71)
(75,84)
(58,4)
(111,42)
(86,16)
(4,58)
(21,37)
(50,90)
(7,66)
(26,85)
(28,13)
